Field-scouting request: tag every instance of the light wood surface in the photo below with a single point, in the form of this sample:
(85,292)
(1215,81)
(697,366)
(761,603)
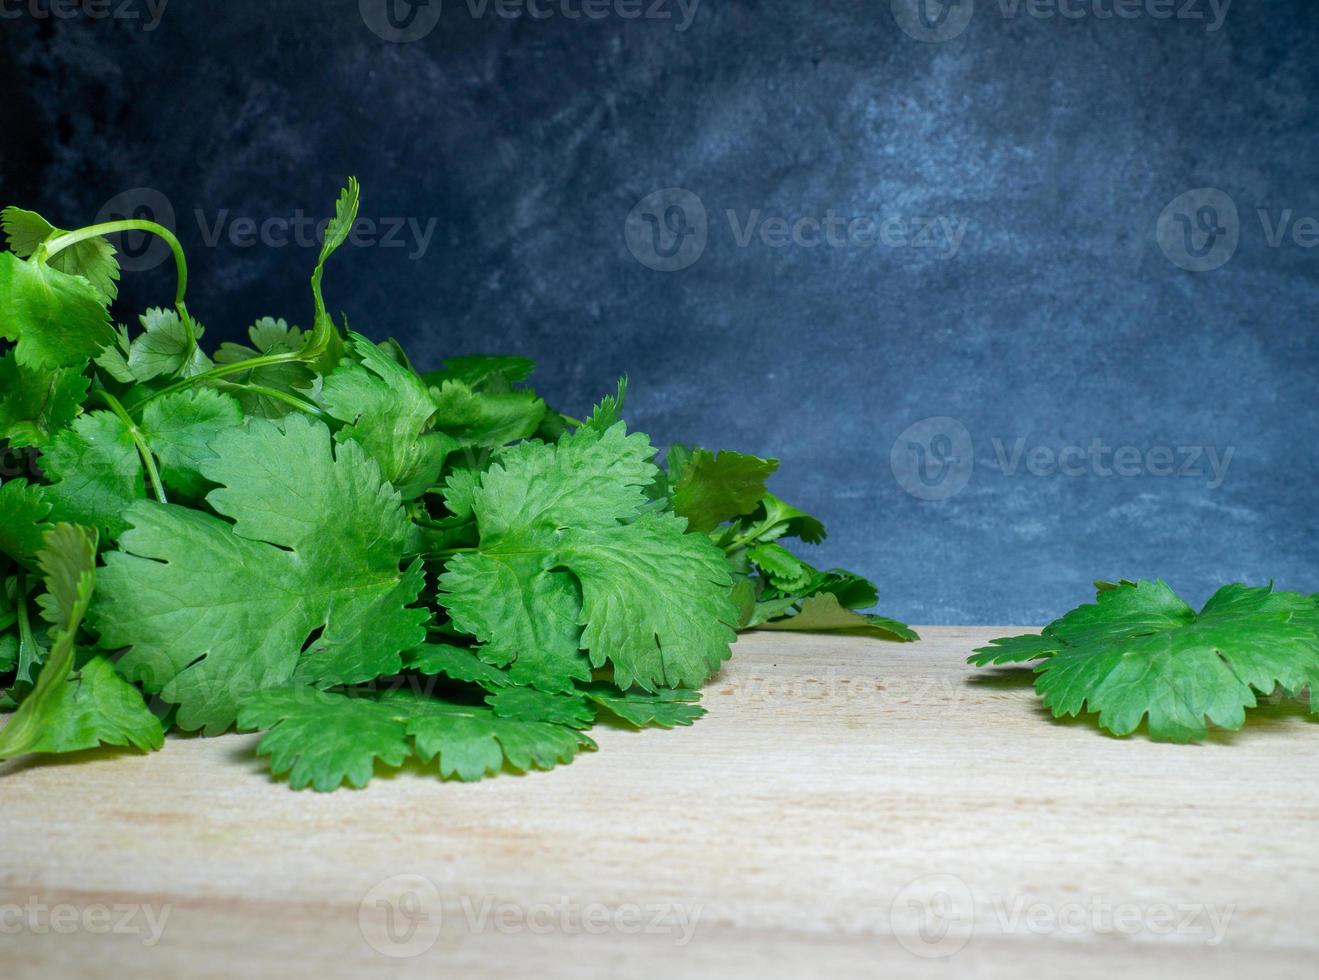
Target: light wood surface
(846,803)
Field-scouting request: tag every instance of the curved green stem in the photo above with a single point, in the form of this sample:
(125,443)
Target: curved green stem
(148,461)
(301,404)
(60,242)
(222,371)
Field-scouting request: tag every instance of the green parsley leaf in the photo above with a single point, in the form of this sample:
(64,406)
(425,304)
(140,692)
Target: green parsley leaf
(37,403)
(554,558)
(484,420)
(167,347)
(97,473)
(823,613)
(56,320)
(662,709)
(24,510)
(711,489)
(179,428)
(478,370)
(1139,653)
(388,410)
(93,259)
(75,708)
(324,739)
(304,583)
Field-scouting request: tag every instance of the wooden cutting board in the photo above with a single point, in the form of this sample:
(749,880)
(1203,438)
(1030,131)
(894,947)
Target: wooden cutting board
(849,808)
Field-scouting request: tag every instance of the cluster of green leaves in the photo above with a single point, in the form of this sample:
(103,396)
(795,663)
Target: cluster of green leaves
(1139,653)
(306,536)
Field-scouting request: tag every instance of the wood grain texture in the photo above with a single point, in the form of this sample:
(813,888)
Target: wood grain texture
(843,799)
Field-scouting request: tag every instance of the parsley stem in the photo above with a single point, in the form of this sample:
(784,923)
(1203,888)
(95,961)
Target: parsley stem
(301,404)
(148,461)
(61,242)
(223,371)
(27,643)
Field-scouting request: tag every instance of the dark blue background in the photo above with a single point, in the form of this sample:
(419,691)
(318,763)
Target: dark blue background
(1059,321)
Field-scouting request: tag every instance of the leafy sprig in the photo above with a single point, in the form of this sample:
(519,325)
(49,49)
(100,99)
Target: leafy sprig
(306,536)
(1139,654)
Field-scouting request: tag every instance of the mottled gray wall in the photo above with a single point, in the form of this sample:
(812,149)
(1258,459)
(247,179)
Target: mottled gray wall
(1008,273)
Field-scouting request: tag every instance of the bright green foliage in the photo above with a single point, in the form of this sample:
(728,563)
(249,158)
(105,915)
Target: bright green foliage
(377,567)
(724,494)
(711,489)
(270,337)
(75,707)
(324,740)
(388,410)
(564,545)
(167,347)
(24,510)
(212,610)
(1140,654)
(179,428)
(92,259)
(663,709)
(96,473)
(35,403)
(57,320)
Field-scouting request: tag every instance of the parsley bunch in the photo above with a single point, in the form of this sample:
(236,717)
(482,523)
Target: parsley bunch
(1140,653)
(304,535)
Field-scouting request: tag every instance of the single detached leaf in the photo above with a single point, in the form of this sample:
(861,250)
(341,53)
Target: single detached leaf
(24,510)
(1139,653)
(823,613)
(179,428)
(72,709)
(36,403)
(303,584)
(388,410)
(96,473)
(713,489)
(55,319)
